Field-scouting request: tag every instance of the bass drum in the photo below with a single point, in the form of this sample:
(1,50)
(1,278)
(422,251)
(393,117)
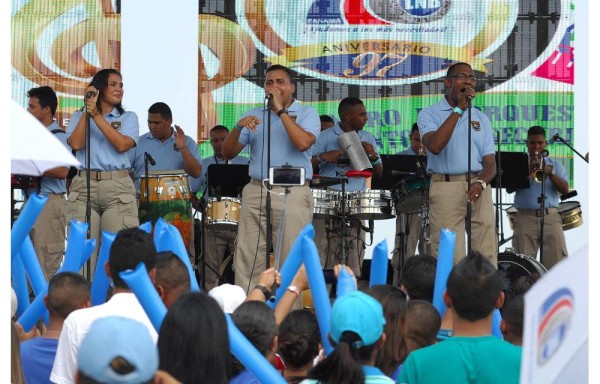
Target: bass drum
(512,266)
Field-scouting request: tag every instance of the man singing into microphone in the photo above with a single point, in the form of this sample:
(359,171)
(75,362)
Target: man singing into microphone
(444,132)
(526,236)
(328,155)
(294,129)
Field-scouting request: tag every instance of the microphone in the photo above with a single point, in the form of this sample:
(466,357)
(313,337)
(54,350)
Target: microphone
(468,96)
(545,153)
(90,94)
(554,138)
(268,96)
(150,159)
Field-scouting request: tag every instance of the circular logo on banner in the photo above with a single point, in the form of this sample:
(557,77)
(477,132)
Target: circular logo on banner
(555,319)
(374,42)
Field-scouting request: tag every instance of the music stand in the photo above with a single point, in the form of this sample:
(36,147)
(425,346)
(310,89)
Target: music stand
(398,167)
(226,180)
(514,171)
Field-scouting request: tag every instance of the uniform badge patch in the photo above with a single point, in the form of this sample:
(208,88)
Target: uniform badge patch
(476,125)
(116,125)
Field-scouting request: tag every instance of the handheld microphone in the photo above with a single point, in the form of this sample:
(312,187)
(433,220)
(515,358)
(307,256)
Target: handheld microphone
(468,96)
(268,96)
(150,159)
(90,94)
(554,138)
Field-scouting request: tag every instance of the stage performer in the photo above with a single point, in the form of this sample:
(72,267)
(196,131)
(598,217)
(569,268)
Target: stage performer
(294,129)
(113,132)
(444,131)
(526,236)
(326,154)
(48,232)
(410,205)
(221,243)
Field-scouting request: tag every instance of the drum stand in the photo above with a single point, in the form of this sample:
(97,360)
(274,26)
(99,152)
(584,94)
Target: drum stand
(345,220)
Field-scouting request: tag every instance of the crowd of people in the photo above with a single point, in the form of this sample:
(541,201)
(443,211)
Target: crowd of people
(382,334)
(385,333)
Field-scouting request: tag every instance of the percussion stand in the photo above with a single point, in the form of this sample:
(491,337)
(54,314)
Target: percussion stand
(469,205)
(345,218)
(88,201)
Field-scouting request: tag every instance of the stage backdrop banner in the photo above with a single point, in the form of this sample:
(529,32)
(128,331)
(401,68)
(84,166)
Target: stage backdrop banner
(391,54)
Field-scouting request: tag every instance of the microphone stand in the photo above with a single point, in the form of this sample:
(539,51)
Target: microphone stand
(572,149)
(542,201)
(147,203)
(269,225)
(499,222)
(469,207)
(88,202)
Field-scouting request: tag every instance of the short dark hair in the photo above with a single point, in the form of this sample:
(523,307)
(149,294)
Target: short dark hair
(257,323)
(452,68)
(131,247)
(326,119)
(171,272)
(46,96)
(100,82)
(276,67)
(348,103)
(423,322)
(474,285)
(514,312)
(414,127)
(299,338)
(66,292)
(162,108)
(218,128)
(536,130)
(418,277)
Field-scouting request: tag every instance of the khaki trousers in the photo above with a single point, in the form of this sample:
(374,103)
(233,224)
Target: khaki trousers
(448,209)
(113,207)
(526,236)
(48,234)
(249,259)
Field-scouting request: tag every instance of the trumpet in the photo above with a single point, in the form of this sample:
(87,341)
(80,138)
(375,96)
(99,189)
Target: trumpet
(537,166)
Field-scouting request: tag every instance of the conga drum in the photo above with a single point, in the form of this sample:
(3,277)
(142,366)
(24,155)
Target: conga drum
(169,197)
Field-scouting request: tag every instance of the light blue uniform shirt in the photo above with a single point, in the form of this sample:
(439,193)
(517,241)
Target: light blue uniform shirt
(282,149)
(527,198)
(166,156)
(453,158)
(328,142)
(104,157)
(52,184)
(198,184)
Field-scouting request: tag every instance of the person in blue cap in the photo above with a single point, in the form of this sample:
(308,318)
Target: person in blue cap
(357,324)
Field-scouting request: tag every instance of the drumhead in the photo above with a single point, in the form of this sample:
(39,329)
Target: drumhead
(512,266)
(173,172)
(568,205)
